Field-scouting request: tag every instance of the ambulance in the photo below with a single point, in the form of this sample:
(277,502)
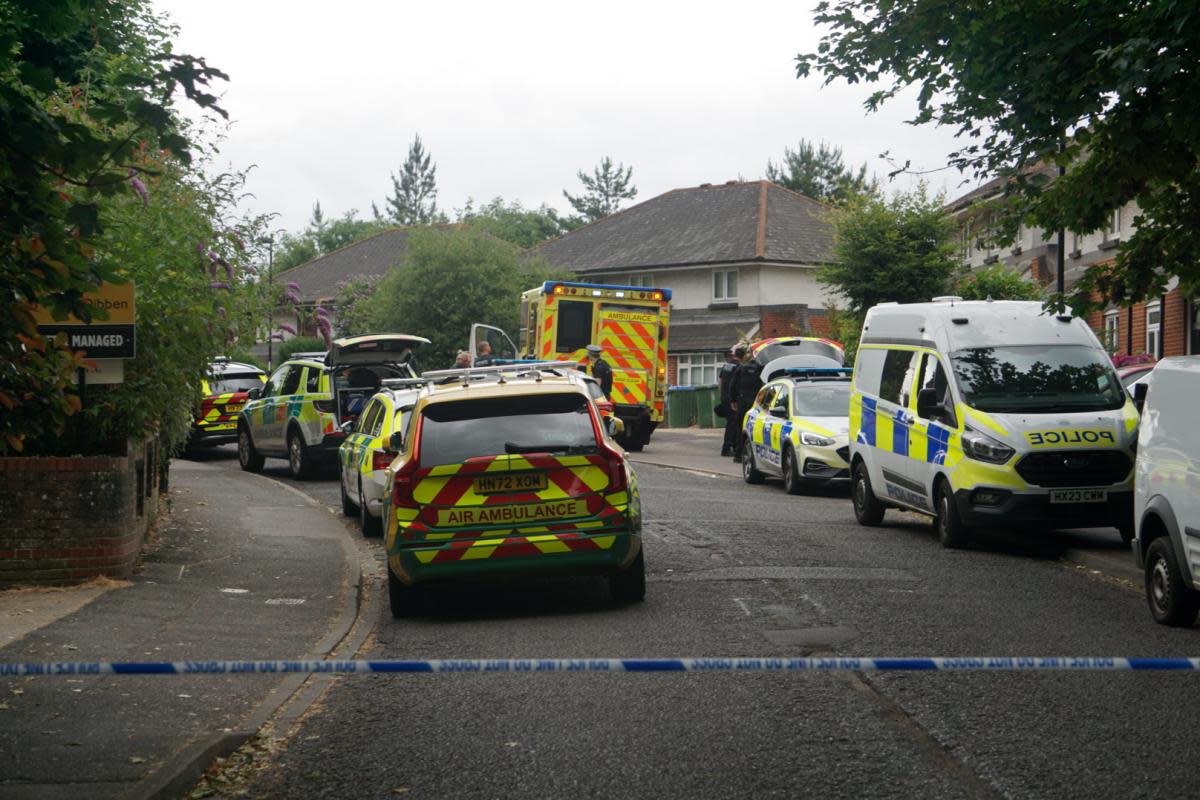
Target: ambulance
(989,414)
(560,319)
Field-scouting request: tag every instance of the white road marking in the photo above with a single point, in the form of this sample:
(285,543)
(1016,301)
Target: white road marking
(743,605)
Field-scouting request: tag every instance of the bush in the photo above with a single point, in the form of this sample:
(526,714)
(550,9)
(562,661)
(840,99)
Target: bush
(995,282)
(298,344)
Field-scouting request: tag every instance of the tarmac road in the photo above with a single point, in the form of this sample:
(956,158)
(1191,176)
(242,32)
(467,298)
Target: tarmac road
(747,570)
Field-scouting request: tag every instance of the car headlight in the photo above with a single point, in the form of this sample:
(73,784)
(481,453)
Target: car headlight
(984,448)
(815,439)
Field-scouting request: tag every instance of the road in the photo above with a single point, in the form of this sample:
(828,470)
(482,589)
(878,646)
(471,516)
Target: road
(748,570)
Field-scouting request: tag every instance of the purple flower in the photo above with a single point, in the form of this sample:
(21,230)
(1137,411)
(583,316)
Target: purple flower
(293,286)
(286,327)
(221,312)
(138,187)
(292,298)
(219,285)
(321,312)
(228,268)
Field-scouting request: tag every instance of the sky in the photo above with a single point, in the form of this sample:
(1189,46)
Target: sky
(512,99)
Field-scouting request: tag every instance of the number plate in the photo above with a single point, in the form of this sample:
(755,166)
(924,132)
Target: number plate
(233,408)
(1078,495)
(510,483)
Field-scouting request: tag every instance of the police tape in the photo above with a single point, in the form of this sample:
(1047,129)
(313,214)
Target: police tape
(523,665)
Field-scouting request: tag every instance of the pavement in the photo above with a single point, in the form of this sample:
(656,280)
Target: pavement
(242,568)
(1098,551)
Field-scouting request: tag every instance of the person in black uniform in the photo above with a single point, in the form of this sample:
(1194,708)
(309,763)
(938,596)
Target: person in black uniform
(744,386)
(599,369)
(725,383)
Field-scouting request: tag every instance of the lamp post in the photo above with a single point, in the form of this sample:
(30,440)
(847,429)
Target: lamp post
(269,241)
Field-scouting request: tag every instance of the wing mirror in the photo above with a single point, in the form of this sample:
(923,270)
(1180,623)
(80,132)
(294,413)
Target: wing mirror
(254,393)
(348,426)
(779,411)
(614,425)
(1139,395)
(927,403)
(397,441)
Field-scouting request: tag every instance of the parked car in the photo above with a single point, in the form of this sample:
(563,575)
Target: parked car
(222,395)
(299,413)
(1166,503)
(1134,374)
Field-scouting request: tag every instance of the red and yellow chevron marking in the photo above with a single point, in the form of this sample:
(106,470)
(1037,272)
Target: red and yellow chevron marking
(219,408)
(548,335)
(527,544)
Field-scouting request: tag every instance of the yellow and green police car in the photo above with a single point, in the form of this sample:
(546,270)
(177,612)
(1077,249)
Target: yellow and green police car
(363,458)
(799,429)
(298,415)
(510,470)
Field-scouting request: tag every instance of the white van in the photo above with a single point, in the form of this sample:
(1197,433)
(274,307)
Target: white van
(1166,503)
(989,414)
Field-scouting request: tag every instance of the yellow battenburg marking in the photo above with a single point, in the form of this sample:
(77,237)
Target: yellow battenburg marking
(776,435)
(799,424)
(439,536)
(481,549)
(918,443)
(981,418)
(604,542)
(428,488)
(425,556)
(549,544)
(1131,416)
(757,432)
(884,431)
(618,498)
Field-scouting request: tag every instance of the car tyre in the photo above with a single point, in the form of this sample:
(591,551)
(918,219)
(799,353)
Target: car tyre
(348,508)
(629,585)
(371,526)
(1172,602)
(299,461)
(951,531)
(248,457)
(750,473)
(867,508)
(404,601)
(792,482)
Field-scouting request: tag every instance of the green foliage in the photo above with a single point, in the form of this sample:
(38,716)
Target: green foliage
(322,237)
(413,200)
(1110,96)
(298,344)
(819,171)
(899,249)
(845,327)
(85,91)
(997,283)
(450,278)
(348,307)
(604,190)
(512,222)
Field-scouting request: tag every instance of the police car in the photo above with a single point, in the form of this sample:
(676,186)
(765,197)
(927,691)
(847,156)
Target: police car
(364,456)
(299,413)
(509,469)
(223,393)
(798,429)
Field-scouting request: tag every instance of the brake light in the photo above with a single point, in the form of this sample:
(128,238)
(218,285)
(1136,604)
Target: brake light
(382,459)
(324,406)
(402,485)
(615,464)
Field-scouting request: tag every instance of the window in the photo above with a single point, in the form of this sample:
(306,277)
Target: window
(867,368)
(1112,323)
(314,380)
(933,376)
(551,423)
(274,385)
(291,381)
(896,382)
(725,285)
(1037,379)
(1114,224)
(831,399)
(645,281)
(766,397)
(370,420)
(698,369)
(574,325)
(1153,327)
(234,382)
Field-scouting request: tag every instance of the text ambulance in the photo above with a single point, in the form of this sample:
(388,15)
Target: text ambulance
(989,414)
(560,319)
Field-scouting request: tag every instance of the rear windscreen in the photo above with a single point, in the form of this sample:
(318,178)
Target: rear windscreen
(235,383)
(455,431)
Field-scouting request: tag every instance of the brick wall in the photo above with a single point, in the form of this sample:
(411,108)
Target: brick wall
(65,520)
(1174,317)
(672,370)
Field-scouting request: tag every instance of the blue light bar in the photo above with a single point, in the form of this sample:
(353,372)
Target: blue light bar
(548,287)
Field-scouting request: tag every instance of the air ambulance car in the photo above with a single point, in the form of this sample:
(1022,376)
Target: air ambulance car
(509,470)
(989,414)
(223,393)
(560,319)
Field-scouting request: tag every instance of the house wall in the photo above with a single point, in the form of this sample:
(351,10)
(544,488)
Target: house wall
(1177,328)
(763,284)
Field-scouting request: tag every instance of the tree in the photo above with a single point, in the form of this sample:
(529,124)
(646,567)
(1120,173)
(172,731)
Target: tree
(1109,96)
(448,279)
(414,193)
(322,237)
(818,171)
(514,223)
(900,249)
(85,90)
(997,283)
(604,190)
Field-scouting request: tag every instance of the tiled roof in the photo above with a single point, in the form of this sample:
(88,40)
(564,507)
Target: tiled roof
(711,224)
(321,278)
(711,329)
(994,186)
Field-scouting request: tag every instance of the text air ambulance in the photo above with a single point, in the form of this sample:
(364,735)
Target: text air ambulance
(560,319)
(989,414)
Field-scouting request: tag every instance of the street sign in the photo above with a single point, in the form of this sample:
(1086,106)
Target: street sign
(115,337)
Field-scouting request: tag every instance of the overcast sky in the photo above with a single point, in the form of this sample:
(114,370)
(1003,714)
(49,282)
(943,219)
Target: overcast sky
(513,98)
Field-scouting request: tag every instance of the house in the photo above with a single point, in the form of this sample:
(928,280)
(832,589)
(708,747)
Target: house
(1166,326)
(740,258)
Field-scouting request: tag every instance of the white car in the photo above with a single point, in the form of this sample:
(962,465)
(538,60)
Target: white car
(1166,502)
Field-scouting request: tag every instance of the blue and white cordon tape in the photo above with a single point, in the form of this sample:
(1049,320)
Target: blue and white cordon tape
(523,665)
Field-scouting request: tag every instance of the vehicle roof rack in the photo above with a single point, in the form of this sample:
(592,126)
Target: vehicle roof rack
(401,383)
(314,355)
(819,373)
(499,372)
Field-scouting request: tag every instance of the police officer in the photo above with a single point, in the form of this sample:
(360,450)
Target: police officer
(484,357)
(725,383)
(744,386)
(599,369)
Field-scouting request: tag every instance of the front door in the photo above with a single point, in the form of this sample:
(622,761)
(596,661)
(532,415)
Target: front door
(894,421)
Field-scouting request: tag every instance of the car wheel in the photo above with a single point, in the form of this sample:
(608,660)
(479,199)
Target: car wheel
(348,508)
(950,529)
(792,482)
(250,459)
(867,508)
(403,600)
(1172,602)
(371,526)
(629,585)
(750,473)
(298,459)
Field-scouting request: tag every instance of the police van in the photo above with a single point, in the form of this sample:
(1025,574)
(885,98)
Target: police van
(989,414)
